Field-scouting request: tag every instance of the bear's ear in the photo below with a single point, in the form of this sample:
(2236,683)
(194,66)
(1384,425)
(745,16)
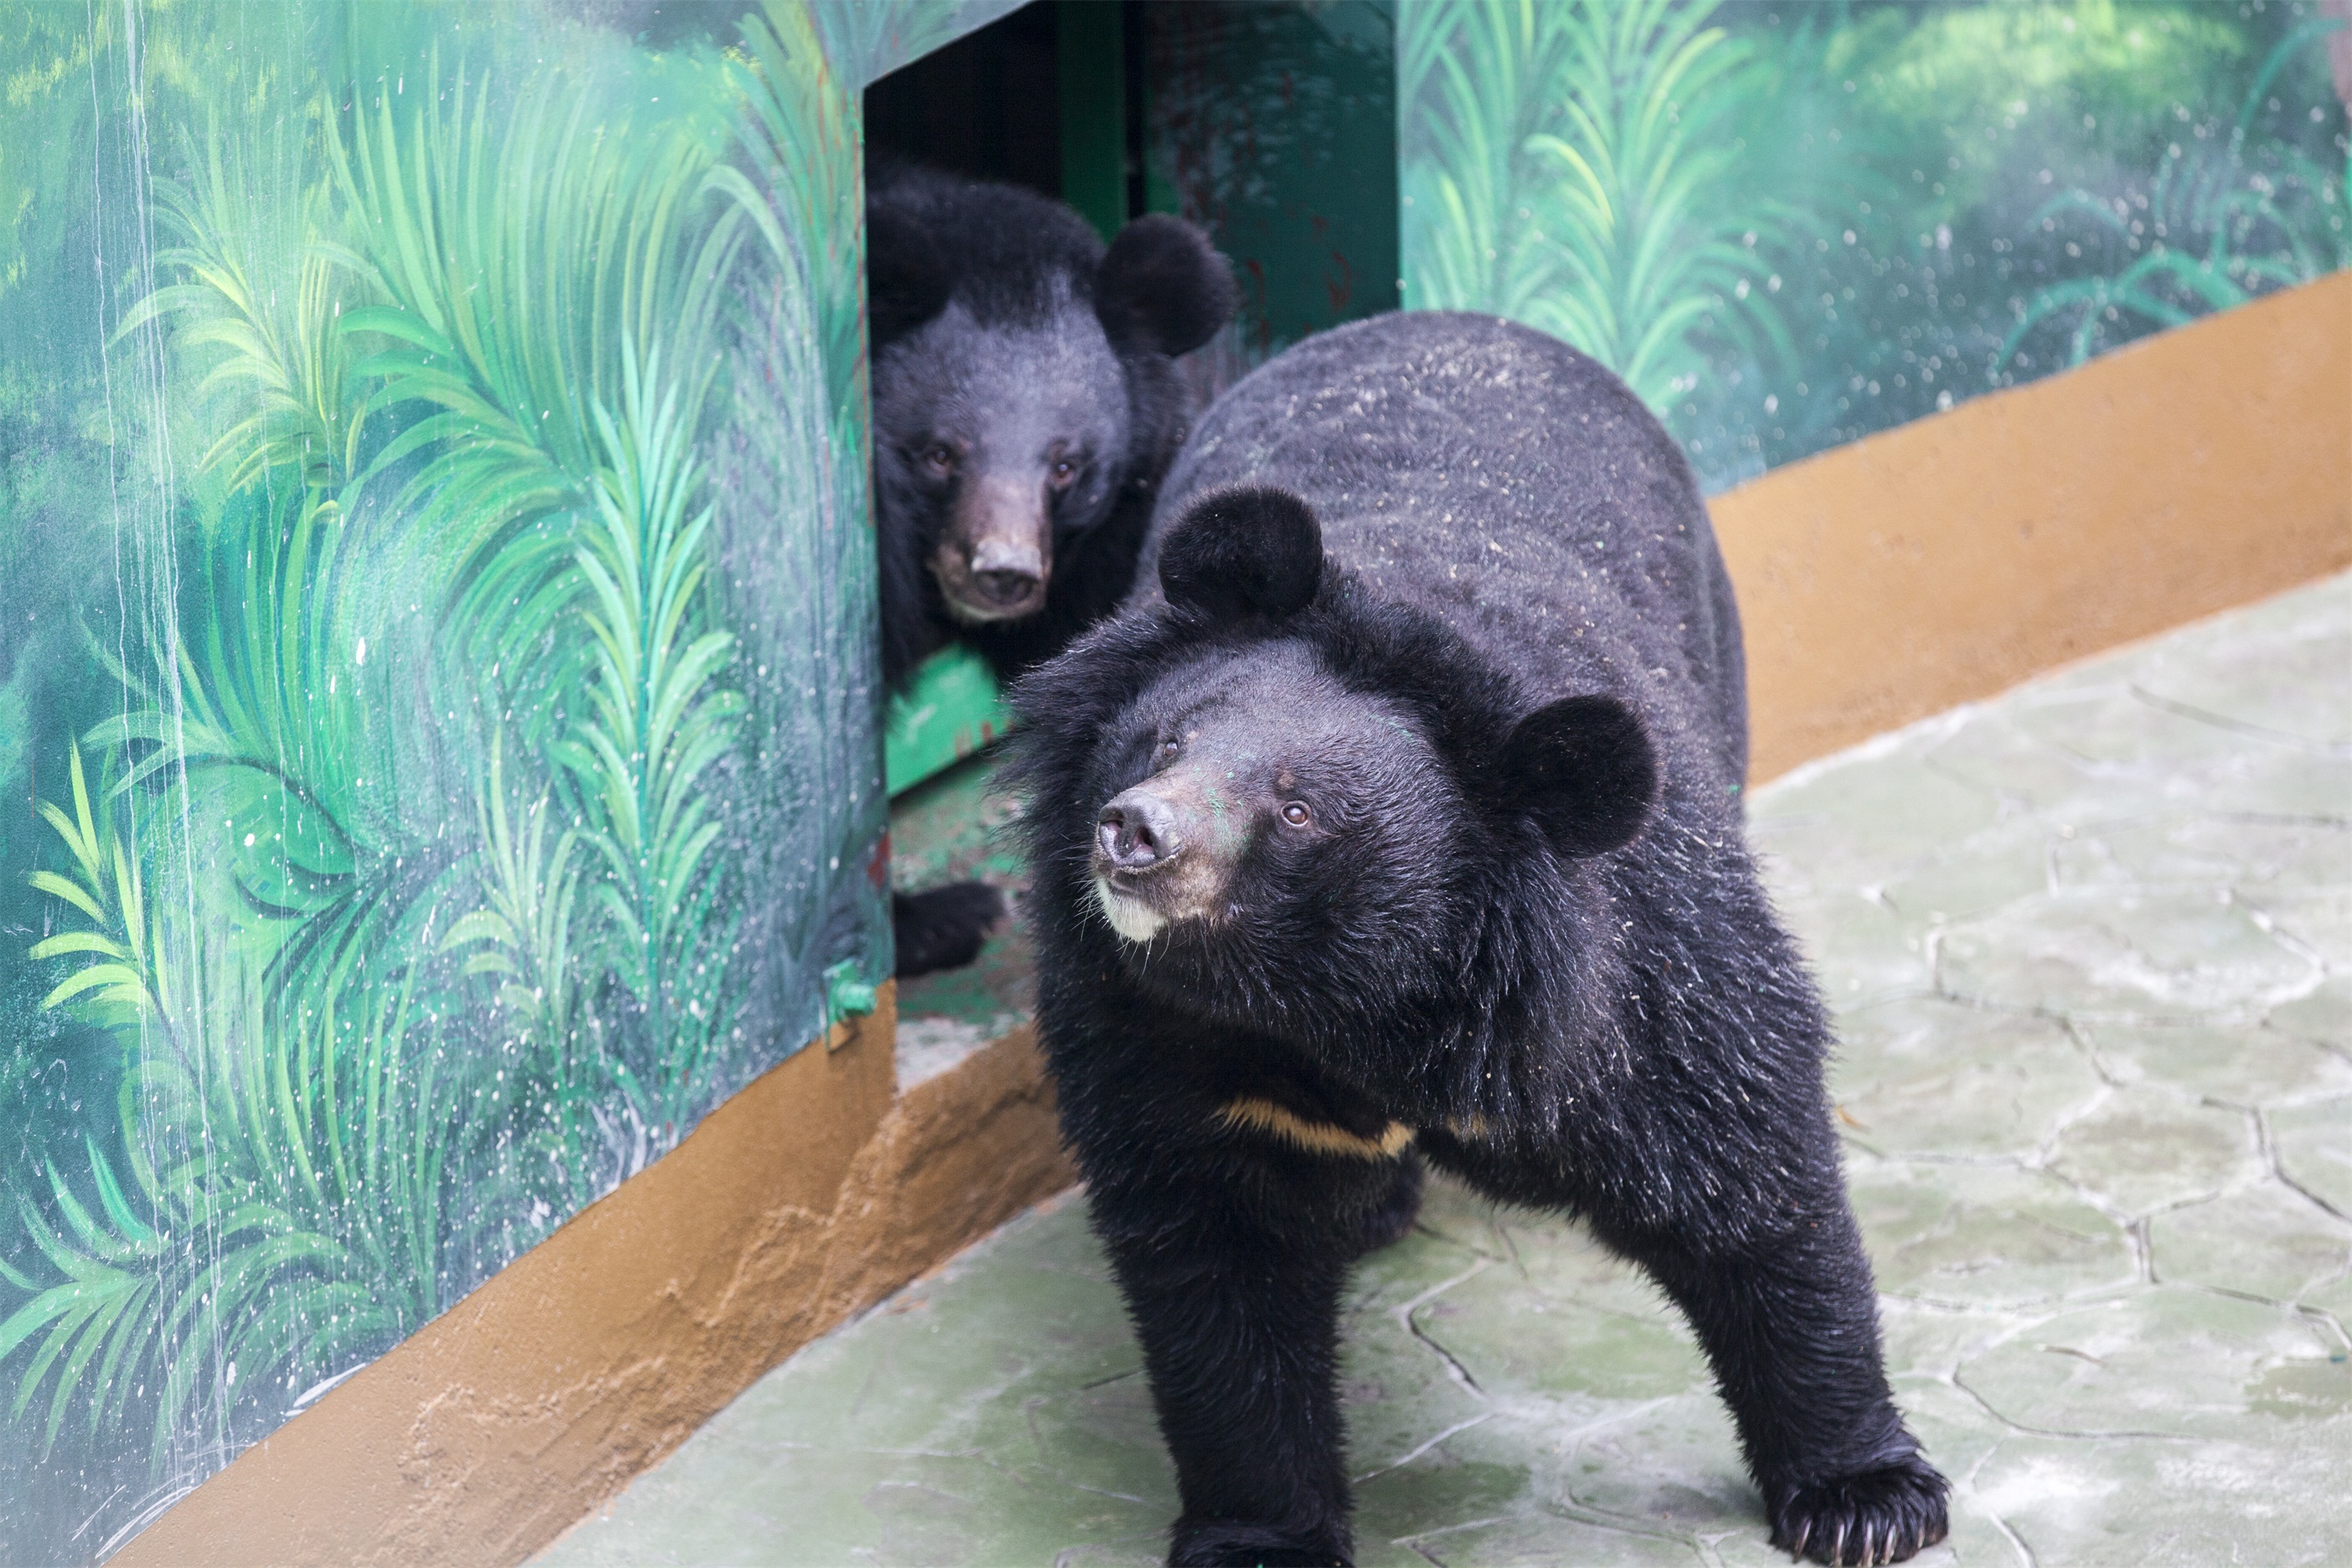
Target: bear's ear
(906,278)
(1244,552)
(1583,769)
(1163,287)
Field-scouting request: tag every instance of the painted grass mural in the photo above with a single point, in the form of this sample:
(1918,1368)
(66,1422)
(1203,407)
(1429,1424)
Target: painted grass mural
(1787,224)
(438,689)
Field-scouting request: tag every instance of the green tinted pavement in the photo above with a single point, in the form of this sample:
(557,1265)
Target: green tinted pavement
(2091,948)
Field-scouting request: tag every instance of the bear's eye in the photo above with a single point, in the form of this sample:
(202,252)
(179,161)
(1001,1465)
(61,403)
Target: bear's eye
(941,458)
(1064,471)
(1295,814)
(1167,750)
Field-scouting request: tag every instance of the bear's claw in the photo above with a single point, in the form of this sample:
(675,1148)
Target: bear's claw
(1881,1516)
(1227,1543)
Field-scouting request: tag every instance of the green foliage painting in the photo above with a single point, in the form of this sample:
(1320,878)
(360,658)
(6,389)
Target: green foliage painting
(1787,224)
(438,686)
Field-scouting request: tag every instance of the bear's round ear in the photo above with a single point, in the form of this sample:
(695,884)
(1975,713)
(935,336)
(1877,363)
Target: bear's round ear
(1163,287)
(1244,552)
(906,278)
(1584,768)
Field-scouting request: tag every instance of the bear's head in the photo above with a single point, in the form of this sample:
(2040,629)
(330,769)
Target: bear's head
(1008,361)
(1283,794)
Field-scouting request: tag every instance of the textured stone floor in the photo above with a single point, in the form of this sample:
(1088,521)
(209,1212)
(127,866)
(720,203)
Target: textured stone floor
(2091,946)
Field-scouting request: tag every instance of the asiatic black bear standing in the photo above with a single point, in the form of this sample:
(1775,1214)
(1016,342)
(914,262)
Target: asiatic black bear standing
(1409,818)
(1026,407)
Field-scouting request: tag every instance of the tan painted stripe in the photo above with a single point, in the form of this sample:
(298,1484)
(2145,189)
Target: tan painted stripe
(1951,558)
(1315,1137)
(490,1431)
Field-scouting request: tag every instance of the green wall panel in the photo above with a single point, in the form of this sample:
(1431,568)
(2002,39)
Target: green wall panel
(439,752)
(1090,49)
(1790,225)
(950,709)
(1273,124)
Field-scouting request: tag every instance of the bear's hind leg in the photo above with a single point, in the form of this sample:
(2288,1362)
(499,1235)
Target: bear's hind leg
(1791,1331)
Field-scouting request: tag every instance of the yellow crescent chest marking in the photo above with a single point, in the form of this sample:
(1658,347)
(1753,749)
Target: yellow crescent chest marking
(1316,1137)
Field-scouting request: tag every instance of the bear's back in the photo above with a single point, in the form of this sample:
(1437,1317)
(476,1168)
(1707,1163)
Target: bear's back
(1514,488)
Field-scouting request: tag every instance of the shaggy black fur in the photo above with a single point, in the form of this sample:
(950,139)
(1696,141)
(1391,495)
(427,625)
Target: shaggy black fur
(1024,393)
(1000,323)
(943,927)
(1417,801)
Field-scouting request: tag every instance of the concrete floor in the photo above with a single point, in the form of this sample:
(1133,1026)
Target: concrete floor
(2091,947)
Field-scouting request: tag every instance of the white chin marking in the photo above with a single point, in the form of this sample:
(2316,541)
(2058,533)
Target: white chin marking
(979,615)
(1127,916)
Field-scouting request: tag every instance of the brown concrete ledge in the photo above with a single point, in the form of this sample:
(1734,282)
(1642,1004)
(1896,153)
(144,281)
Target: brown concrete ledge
(1881,582)
(806,1197)
(1953,557)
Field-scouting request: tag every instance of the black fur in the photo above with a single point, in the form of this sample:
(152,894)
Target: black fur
(1003,330)
(1014,260)
(1489,882)
(1245,551)
(908,280)
(943,927)
(1162,289)
(1582,771)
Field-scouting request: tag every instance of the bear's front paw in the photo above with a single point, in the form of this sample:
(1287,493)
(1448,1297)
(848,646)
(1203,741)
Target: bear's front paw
(1885,1515)
(1226,1544)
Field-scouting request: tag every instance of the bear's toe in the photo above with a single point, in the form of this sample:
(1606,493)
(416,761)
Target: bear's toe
(1885,1515)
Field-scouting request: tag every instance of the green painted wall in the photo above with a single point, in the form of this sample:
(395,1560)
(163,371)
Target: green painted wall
(1789,225)
(1271,123)
(440,751)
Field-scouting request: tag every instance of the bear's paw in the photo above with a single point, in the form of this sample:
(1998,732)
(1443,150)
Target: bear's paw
(1886,1515)
(1229,1544)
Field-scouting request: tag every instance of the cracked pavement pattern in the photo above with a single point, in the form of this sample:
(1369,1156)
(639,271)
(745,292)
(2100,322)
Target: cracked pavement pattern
(2090,944)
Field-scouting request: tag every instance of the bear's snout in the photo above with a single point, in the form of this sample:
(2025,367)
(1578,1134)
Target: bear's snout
(995,558)
(1008,573)
(1138,832)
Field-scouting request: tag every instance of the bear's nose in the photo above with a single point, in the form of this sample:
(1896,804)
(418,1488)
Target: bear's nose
(1137,831)
(1007,573)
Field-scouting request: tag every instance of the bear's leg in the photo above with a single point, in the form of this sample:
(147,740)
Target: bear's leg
(1389,1223)
(942,927)
(1791,1331)
(1240,1337)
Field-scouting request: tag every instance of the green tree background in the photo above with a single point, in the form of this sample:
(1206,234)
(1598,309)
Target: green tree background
(432,469)
(1787,224)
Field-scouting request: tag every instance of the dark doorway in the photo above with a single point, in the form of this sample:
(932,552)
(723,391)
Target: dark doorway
(1039,98)
(1271,123)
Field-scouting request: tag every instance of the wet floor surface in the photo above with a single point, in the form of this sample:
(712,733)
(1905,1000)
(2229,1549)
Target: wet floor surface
(2091,949)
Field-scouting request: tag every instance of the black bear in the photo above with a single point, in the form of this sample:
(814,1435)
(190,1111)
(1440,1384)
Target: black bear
(1026,408)
(1400,819)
